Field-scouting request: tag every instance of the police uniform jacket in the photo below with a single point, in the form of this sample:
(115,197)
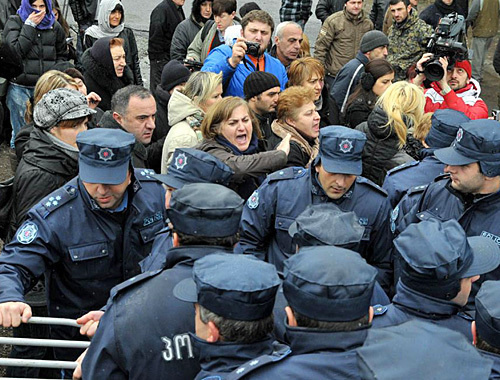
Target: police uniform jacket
(285,194)
(316,354)
(83,250)
(144,332)
(478,215)
(414,173)
(495,370)
(161,246)
(409,304)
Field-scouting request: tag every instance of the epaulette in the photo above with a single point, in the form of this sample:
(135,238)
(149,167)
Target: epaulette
(417,189)
(442,176)
(464,315)
(403,166)
(244,369)
(55,200)
(145,174)
(287,173)
(379,310)
(373,185)
(132,282)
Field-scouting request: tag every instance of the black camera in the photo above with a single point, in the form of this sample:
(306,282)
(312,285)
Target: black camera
(192,65)
(253,48)
(448,40)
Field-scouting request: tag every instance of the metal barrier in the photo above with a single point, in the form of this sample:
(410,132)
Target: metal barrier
(8,362)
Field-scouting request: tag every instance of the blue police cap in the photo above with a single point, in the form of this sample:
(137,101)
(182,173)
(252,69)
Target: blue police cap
(237,287)
(420,350)
(445,124)
(205,209)
(476,141)
(488,313)
(438,254)
(190,165)
(326,224)
(340,150)
(329,283)
(104,155)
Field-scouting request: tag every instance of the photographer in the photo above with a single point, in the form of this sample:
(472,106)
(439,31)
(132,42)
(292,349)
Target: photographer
(249,50)
(456,89)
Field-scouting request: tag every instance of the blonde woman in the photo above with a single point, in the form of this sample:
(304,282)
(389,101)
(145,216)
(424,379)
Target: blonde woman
(400,108)
(186,110)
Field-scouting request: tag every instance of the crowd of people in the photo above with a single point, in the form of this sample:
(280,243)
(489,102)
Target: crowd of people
(331,213)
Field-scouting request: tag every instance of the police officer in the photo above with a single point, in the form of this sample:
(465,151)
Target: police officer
(187,166)
(86,237)
(486,327)
(440,265)
(334,177)
(469,192)
(420,350)
(444,127)
(234,297)
(144,332)
(328,290)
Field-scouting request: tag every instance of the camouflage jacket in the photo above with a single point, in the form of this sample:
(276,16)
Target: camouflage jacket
(407,43)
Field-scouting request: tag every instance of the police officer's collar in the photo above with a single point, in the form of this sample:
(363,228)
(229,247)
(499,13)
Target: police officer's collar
(469,199)
(422,305)
(223,357)
(190,253)
(317,189)
(306,340)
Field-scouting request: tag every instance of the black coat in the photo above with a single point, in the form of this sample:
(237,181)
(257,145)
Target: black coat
(103,80)
(433,13)
(131,52)
(359,109)
(155,149)
(326,8)
(39,49)
(43,168)
(163,21)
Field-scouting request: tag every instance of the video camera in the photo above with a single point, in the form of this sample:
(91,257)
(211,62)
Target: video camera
(448,40)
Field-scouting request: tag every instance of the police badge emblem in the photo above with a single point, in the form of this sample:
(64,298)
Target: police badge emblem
(27,233)
(460,134)
(180,161)
(106,154)
(345,146)
(253,201)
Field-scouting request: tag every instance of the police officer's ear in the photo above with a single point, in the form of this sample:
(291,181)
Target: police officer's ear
(474,332)
(290,316)
(213,330)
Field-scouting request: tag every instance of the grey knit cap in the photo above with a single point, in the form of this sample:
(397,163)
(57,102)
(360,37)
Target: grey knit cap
(372,40)
(58,105)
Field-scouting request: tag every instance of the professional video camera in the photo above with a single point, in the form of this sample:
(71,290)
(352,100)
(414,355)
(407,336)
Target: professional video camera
(448,40)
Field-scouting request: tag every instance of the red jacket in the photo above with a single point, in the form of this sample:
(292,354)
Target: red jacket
(465,100)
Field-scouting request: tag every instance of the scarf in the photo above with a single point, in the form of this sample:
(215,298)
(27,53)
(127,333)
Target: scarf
(282,130)
(252,148)
(104,29)
(26,9)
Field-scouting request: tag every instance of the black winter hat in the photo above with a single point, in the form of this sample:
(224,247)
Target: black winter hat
(372,40)
(258,82)
(248,7)
(173,74)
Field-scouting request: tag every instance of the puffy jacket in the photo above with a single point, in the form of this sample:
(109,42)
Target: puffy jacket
(162,23)
(44,167)
(326,8)
(183,36)
(39,49)
(103,80)
(381,152)
(131,52)
(339,39)
(233,78)
(81,268)
(465,100)
(185,119)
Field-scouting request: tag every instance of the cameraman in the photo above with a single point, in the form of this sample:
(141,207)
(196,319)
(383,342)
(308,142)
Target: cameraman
(238,62)
(456,90)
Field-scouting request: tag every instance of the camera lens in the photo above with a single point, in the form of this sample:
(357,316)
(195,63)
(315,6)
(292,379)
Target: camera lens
(434,71)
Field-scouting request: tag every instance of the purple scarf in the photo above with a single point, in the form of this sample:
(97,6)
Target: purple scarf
(26,9)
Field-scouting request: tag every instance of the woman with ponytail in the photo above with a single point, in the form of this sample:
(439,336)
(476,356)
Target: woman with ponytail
(378,76)
(399,108)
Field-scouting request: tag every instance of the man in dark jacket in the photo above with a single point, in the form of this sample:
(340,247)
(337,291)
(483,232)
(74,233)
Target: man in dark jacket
(116,211)
(162,23)
(326,8)
(205,219)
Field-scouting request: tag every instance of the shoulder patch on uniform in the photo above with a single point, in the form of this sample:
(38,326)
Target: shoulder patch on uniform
(379,310)
(373,185)
(253,200)
(27,233)
(145,174)
(403,166)
(55,200)
(417,189)
(287,173)
(132,282)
